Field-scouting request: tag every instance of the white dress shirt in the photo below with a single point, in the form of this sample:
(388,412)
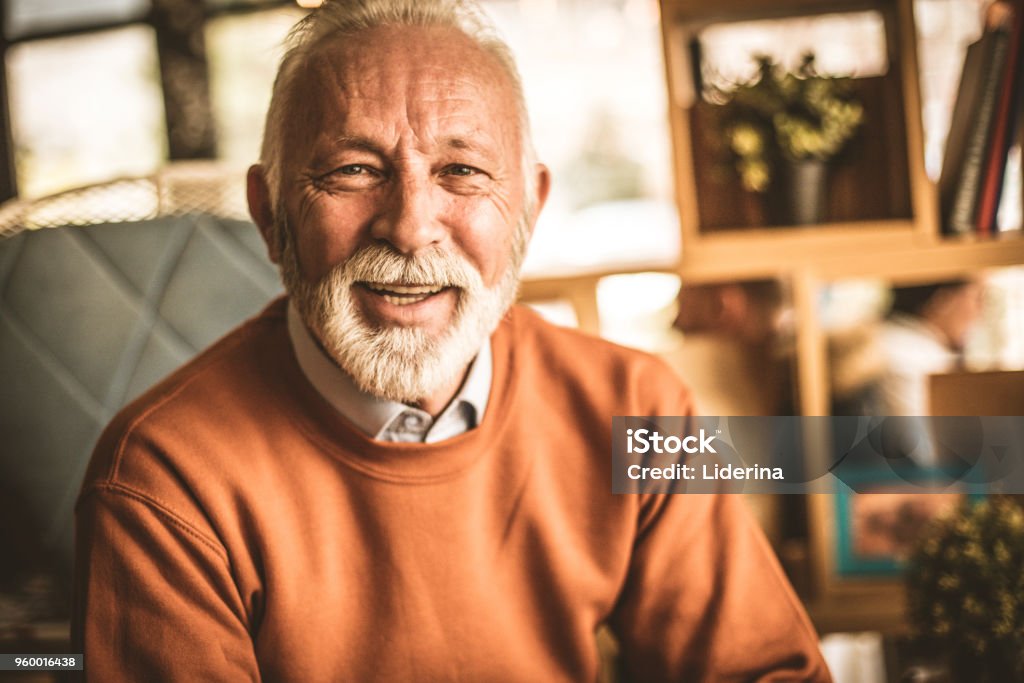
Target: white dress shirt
(389,420)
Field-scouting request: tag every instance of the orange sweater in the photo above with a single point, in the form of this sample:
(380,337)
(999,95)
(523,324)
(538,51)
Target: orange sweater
(233,527)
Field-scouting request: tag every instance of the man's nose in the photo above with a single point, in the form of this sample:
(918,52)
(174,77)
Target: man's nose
(411,220)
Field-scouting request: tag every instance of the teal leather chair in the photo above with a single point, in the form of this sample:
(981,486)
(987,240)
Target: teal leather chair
(92,314)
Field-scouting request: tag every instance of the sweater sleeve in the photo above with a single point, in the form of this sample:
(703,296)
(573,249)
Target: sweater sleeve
(154,598)
(706,600)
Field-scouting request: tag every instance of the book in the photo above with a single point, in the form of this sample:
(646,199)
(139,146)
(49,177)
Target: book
(960,182)
(1002,136)
(967,94)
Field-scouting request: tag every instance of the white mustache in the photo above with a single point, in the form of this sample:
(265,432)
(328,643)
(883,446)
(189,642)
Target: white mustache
(379,263)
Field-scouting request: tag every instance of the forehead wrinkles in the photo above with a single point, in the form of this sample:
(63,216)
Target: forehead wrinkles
(438,105)
(425,75)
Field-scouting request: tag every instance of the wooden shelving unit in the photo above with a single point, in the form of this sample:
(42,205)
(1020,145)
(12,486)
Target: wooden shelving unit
(904,248)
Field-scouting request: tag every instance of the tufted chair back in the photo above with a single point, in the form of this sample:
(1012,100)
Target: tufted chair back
(103,291)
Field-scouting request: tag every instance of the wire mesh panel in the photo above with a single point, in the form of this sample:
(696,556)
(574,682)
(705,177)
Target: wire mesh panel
(177,189)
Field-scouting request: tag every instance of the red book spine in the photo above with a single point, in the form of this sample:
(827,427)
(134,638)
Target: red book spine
(999,145)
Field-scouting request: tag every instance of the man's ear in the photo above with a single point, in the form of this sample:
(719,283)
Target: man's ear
(543,187)
(258,193)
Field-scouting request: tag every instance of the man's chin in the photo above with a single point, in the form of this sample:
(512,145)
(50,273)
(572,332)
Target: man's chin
(402,364)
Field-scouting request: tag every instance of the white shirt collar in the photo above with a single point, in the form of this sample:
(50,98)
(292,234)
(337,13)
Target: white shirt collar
(390,420)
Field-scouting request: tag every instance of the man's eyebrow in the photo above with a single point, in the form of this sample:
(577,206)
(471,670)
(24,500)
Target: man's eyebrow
(325,151)
(356,142)
(359,142)
(468,146)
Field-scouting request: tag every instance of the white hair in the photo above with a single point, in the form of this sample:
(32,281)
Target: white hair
(336,19)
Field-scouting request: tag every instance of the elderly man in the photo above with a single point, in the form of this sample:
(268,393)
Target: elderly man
(394,475)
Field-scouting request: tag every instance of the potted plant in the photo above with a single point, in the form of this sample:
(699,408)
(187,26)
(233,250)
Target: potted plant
(786,125)
(965,590)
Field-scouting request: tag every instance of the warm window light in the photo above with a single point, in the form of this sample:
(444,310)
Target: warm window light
(311,4)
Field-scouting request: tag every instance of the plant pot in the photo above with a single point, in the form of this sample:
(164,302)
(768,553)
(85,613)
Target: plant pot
(804,191)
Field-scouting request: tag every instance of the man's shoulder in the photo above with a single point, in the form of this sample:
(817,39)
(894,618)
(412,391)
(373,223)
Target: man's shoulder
(229,360)
(567,355)
(208,393)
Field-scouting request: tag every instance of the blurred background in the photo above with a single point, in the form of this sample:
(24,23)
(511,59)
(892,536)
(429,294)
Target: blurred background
(126,127)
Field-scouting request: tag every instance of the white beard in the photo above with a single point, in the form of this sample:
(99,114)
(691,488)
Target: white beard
(405,364)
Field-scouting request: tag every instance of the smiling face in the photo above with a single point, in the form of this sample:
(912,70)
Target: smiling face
(402,199)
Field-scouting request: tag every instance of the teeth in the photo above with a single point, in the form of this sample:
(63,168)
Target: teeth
(404,300)
(383,288)
(403,295)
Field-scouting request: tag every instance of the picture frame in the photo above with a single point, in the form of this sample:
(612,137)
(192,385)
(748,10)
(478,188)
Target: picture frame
(876,530)
(861,540)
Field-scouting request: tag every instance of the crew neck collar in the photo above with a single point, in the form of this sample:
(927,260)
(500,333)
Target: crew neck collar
(396,462)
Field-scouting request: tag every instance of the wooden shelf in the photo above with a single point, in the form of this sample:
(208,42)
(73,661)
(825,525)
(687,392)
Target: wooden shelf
(767,252)
(929,262)
(878,610)
(892,250)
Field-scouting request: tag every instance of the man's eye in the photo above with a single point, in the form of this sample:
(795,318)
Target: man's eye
(460,170)
(353,169)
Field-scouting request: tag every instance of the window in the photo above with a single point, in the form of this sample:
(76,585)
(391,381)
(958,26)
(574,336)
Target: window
(594,80)
(243,51)
(85,108)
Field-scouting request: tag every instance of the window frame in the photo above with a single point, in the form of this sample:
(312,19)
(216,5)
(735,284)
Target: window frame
(180,45)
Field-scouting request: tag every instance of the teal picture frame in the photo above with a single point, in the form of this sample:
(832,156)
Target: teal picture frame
(850,563)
